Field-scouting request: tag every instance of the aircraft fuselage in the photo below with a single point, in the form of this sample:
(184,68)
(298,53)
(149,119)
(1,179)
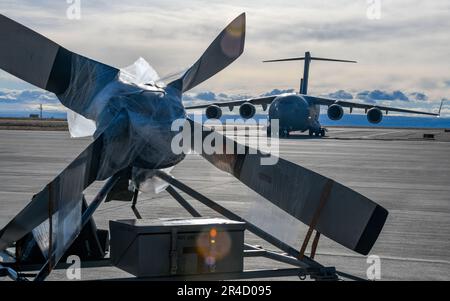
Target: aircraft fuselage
(295,113)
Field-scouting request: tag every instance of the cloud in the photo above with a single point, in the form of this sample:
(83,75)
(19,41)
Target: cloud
(277,92)
(341,94)
(28,100)
(208,96)
(27,96)
(375,95)
(418,96)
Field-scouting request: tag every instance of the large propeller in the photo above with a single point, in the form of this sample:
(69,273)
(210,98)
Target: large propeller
(54,214)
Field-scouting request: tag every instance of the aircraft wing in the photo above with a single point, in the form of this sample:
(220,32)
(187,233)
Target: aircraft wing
(312,99)
(37,60)
(349,104)
(256,101)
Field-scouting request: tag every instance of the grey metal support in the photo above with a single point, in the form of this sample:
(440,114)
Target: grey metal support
(306,262)
(133,204)
(182,201)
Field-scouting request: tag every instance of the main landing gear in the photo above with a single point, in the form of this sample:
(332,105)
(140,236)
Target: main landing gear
(321,132)
(284,133)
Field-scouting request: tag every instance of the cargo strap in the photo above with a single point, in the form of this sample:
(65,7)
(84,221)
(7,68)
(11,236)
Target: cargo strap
(323,200)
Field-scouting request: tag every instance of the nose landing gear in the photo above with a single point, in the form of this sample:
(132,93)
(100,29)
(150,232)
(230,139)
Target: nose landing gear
(282,133)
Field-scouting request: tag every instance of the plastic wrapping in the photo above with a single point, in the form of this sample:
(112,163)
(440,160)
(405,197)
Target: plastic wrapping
(139,73)
(66,224)
(79,126)
(131,111)
(65,201)
(145,181)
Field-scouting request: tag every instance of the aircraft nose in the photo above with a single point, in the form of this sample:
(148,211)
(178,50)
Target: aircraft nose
(292,112)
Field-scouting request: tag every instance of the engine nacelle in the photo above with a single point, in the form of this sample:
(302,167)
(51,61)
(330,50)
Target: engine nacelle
(374,115)
(213,112)
(247,110)
(335,112)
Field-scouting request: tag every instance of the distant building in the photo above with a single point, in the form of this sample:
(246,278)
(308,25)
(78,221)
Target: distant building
(35,116)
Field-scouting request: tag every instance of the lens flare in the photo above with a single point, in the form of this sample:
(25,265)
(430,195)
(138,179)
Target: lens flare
(213,233)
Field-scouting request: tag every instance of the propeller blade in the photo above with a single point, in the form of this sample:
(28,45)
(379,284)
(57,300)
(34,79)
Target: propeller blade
(346,216)
(225,49)
(37,60)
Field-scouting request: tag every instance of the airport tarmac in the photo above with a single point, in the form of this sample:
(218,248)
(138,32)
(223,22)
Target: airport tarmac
(397,168)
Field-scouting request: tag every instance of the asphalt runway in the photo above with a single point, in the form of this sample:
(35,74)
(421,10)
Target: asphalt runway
(398,168)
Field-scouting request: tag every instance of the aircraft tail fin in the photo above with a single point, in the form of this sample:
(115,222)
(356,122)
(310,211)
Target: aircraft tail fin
(226,48)
(307,58)
(312,58)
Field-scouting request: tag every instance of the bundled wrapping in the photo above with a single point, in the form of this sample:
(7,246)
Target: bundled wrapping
(133,113)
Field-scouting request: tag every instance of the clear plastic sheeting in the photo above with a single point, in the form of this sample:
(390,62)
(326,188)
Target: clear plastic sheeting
(42,237)
(88,78)
(275,221)
(139,73)
(145,181)
(137,129)
(131,111)
(79,126)
(66,224)
(65,201)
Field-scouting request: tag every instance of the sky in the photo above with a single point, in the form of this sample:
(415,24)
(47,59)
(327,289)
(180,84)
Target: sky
(402,47)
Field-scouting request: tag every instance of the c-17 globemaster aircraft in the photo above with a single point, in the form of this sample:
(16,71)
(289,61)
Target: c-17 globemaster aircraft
(132,144)
(299,111)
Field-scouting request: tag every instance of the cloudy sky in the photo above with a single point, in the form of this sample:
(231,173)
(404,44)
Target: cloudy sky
(403,56)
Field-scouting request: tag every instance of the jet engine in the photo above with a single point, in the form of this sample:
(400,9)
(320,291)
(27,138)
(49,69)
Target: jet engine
(247,110)
(335,112)
(213,112)
(374,115)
